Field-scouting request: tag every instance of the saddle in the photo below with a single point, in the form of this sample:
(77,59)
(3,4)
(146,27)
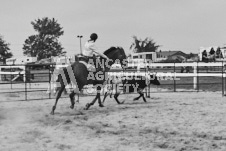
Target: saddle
(90,67)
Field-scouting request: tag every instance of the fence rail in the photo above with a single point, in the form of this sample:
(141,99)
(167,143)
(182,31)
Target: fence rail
(200,75)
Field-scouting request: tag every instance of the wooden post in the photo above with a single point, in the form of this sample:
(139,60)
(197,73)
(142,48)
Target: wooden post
(223,83)
(174,79)
(195,78)
(0,74)
(25,82)
(148,87)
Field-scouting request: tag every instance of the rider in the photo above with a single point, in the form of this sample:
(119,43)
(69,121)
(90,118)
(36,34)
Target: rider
(90,48)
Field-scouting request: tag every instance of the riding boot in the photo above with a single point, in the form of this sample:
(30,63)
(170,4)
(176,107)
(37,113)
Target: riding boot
(98,68)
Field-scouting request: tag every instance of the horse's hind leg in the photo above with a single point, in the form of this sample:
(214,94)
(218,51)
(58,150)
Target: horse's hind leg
(72,98)
(116,98)
(57,98)
(105,96)
(141,95)
(89,104)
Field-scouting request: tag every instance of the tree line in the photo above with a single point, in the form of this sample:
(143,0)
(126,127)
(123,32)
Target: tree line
(45,43)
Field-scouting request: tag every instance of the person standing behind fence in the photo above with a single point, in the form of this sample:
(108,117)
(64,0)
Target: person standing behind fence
(204,56)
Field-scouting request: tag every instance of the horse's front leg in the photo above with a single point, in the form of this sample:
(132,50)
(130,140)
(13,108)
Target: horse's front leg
(90,104)
(72,98)
(57,98)
(99,100)
(78,98)
(93,102)
(105,96)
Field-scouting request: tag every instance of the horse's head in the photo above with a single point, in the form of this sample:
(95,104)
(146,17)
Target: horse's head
(116,54)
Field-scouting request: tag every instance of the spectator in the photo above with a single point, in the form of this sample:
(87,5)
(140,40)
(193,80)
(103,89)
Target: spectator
(204,56)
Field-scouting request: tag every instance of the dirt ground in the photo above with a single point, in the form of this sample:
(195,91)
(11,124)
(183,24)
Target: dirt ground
(180,121)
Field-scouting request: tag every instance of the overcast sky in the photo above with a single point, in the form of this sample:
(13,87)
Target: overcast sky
(174,24)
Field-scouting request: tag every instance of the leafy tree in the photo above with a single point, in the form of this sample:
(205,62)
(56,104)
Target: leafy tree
(212,52)
(219,53)
(4,50)
(191,55)
(45,43)
(146,45)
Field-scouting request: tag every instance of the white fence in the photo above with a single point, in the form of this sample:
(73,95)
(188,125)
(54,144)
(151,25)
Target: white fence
(17,73)
(147,67)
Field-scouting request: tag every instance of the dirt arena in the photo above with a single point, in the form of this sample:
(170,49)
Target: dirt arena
(180,121)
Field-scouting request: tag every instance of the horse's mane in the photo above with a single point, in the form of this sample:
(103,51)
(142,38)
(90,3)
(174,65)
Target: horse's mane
(110,50)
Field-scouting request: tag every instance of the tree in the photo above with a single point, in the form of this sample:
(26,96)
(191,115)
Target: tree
(212,52)
(191,55)
(219,53)
(4,51)
(146,45)
(44,44)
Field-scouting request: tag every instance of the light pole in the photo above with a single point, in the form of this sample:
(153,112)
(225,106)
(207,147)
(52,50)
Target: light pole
(80,38)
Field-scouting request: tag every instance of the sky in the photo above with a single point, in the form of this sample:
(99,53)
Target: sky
(184,25)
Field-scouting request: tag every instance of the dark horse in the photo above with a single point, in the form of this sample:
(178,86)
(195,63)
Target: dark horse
(78,74)
(135,84)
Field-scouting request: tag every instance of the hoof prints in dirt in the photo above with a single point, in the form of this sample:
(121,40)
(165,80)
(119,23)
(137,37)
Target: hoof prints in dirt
(1,118)
(63,147)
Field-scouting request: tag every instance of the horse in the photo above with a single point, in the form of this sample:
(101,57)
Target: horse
(78,74)
(134,84)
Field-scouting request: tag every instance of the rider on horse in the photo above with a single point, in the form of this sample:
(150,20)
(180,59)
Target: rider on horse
(90,49)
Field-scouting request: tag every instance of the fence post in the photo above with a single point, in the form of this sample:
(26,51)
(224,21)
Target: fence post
(148,87)
(0,74)
(11,77)
(223,84)
(25,81)
(224,77)
(50,68)
(195,77)
(174,79)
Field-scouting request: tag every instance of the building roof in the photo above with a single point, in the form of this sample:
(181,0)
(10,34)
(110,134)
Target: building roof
(171,53)
(141,53)
(167,53)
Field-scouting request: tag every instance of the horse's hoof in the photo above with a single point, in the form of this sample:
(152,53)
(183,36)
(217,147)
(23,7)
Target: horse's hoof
(87,106)
(123,102)
(101,105)
(52,113)
(72,106)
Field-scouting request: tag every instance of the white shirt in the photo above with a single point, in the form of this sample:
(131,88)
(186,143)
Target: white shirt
(89,48)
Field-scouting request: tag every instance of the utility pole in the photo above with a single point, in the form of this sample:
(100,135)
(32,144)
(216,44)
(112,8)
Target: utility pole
(80,38)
